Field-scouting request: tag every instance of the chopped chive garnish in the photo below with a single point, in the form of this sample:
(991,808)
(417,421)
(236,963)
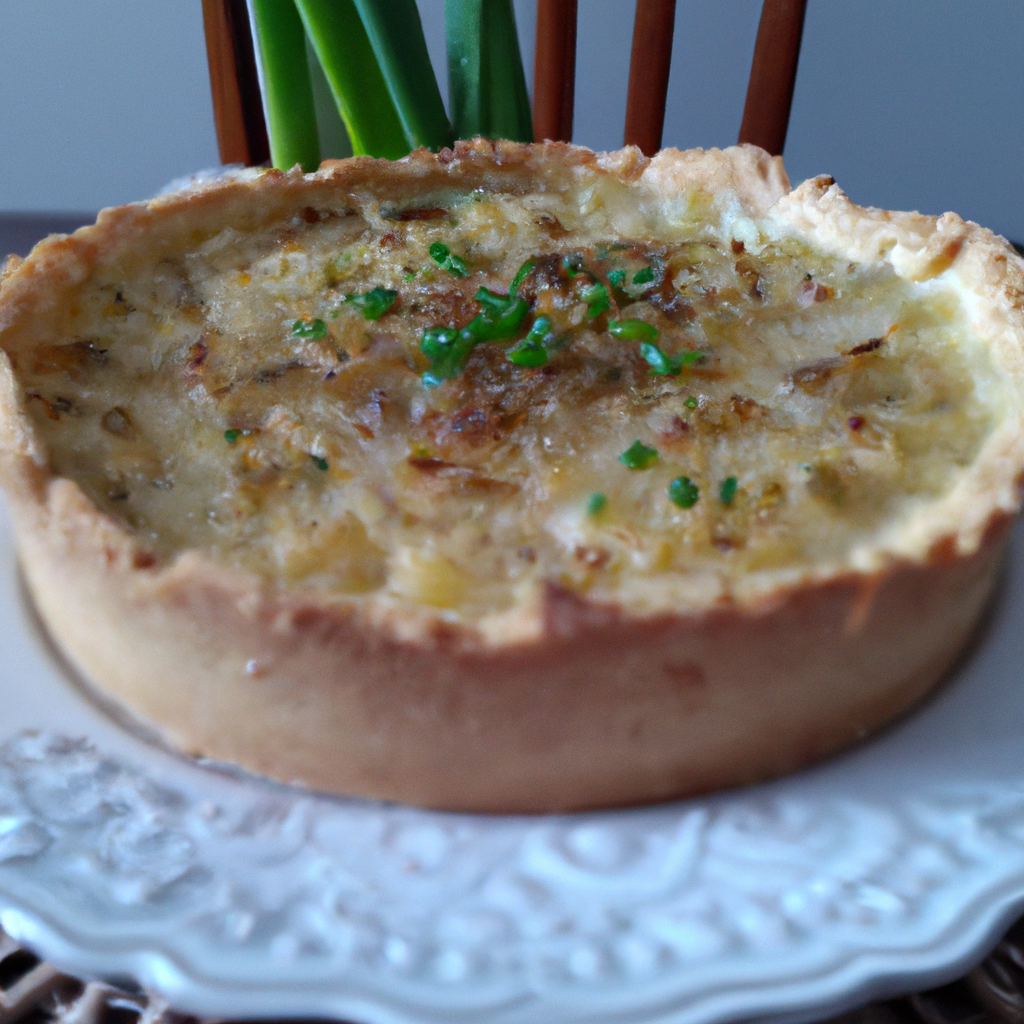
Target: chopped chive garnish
(374,303)
(437,339)
(688,358)
(409,276)
(447,260)
(661,364)
(633,330)
(597,299)
(617,278)
(528,354)
(644,276)
(639,456)
(596,503)
(691,402)
(320,463)
(494,304)
(231,436)
(684,492)
(448,350)
(531,351)
(521,275)
(309,329)
(573,264)
(500,318)
(485,328)
(727,491)
(667,366)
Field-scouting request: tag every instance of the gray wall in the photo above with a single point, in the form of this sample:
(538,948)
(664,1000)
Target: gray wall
(908,103)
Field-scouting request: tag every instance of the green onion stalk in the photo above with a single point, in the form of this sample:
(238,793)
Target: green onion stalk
(486,83)
(287,89)
(374,57)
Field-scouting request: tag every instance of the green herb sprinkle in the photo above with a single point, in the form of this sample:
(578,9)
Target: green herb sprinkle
(447,260)
(683,492)
(639,456)
(374,303)
(314,329)
(633,330)
(597,299)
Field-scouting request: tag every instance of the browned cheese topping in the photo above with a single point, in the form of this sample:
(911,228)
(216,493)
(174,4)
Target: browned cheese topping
(358,403)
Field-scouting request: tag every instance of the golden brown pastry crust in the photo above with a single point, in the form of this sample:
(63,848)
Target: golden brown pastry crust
(564,703)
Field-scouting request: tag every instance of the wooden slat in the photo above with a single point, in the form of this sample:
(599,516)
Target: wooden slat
(773,74)
(648,73)
(554,70)
(237,105)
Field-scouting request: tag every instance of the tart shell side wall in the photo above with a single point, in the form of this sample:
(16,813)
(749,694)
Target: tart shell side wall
(600,709)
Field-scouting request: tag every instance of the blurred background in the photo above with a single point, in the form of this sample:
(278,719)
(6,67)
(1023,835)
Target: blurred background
(910,104)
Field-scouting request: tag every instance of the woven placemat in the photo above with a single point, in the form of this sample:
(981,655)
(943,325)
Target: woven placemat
(33,992)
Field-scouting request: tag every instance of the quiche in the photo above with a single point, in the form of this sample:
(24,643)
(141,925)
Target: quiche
(514,478)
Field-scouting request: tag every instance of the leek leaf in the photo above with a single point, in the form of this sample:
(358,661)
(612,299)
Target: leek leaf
(396,35)
(343,48)
(510,102)
(288,93)
(334,140)
(486,82)
(468,88)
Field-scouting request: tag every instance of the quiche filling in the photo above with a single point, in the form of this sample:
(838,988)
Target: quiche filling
(456,403)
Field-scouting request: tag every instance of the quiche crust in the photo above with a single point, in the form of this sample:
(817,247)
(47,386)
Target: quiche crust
(569,690)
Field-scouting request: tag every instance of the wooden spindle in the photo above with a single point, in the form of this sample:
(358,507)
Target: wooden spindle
(773,74)
(649,68)
(554,70)
(234,83)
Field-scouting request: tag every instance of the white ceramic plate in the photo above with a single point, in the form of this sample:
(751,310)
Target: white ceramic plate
(889,869)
